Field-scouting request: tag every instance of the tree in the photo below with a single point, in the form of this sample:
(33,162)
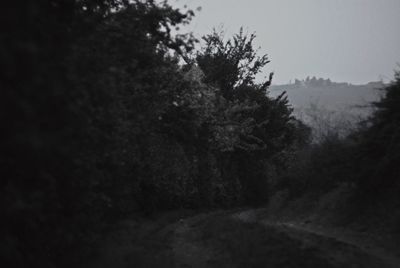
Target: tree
(232,66)
(85,79)
(380,144)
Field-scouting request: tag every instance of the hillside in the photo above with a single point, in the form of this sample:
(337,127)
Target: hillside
(333,96)
(323,104)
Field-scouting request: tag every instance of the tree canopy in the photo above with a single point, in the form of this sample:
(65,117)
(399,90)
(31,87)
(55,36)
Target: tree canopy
(106,121)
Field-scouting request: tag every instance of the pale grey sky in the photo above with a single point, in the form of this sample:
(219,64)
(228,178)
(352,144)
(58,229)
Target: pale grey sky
(346,40)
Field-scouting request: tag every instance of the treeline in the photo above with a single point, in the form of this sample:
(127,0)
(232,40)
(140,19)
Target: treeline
(321,82)
(314,82)
(101,119)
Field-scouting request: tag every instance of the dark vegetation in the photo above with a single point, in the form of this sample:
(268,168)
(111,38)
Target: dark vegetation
(102,119)
(363,164)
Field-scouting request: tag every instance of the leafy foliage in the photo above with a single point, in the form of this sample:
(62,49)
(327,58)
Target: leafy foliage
(232,64)
(380,144)
(107,122)
(264,126)
(77,72)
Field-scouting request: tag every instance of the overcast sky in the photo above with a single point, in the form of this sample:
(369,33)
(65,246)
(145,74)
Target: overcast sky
(352,41)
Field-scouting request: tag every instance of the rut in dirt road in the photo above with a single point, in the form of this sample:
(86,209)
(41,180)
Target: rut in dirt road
(338,248)
(229,239)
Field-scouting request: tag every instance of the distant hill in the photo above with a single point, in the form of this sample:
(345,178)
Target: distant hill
(321,101)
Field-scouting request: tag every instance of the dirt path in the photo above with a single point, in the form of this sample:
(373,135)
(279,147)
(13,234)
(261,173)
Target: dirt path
(233,239)
(187,248)
(359,244)
(351,248)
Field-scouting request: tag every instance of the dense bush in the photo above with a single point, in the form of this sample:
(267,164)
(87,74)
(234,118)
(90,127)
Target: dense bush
(379,145)
(75,92)
(105,121)
(320,168)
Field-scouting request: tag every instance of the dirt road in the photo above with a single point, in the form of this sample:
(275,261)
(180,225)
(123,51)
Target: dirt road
(233,239)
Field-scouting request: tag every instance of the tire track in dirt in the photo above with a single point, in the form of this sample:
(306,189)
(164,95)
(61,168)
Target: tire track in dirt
(340,250)
(207,240)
